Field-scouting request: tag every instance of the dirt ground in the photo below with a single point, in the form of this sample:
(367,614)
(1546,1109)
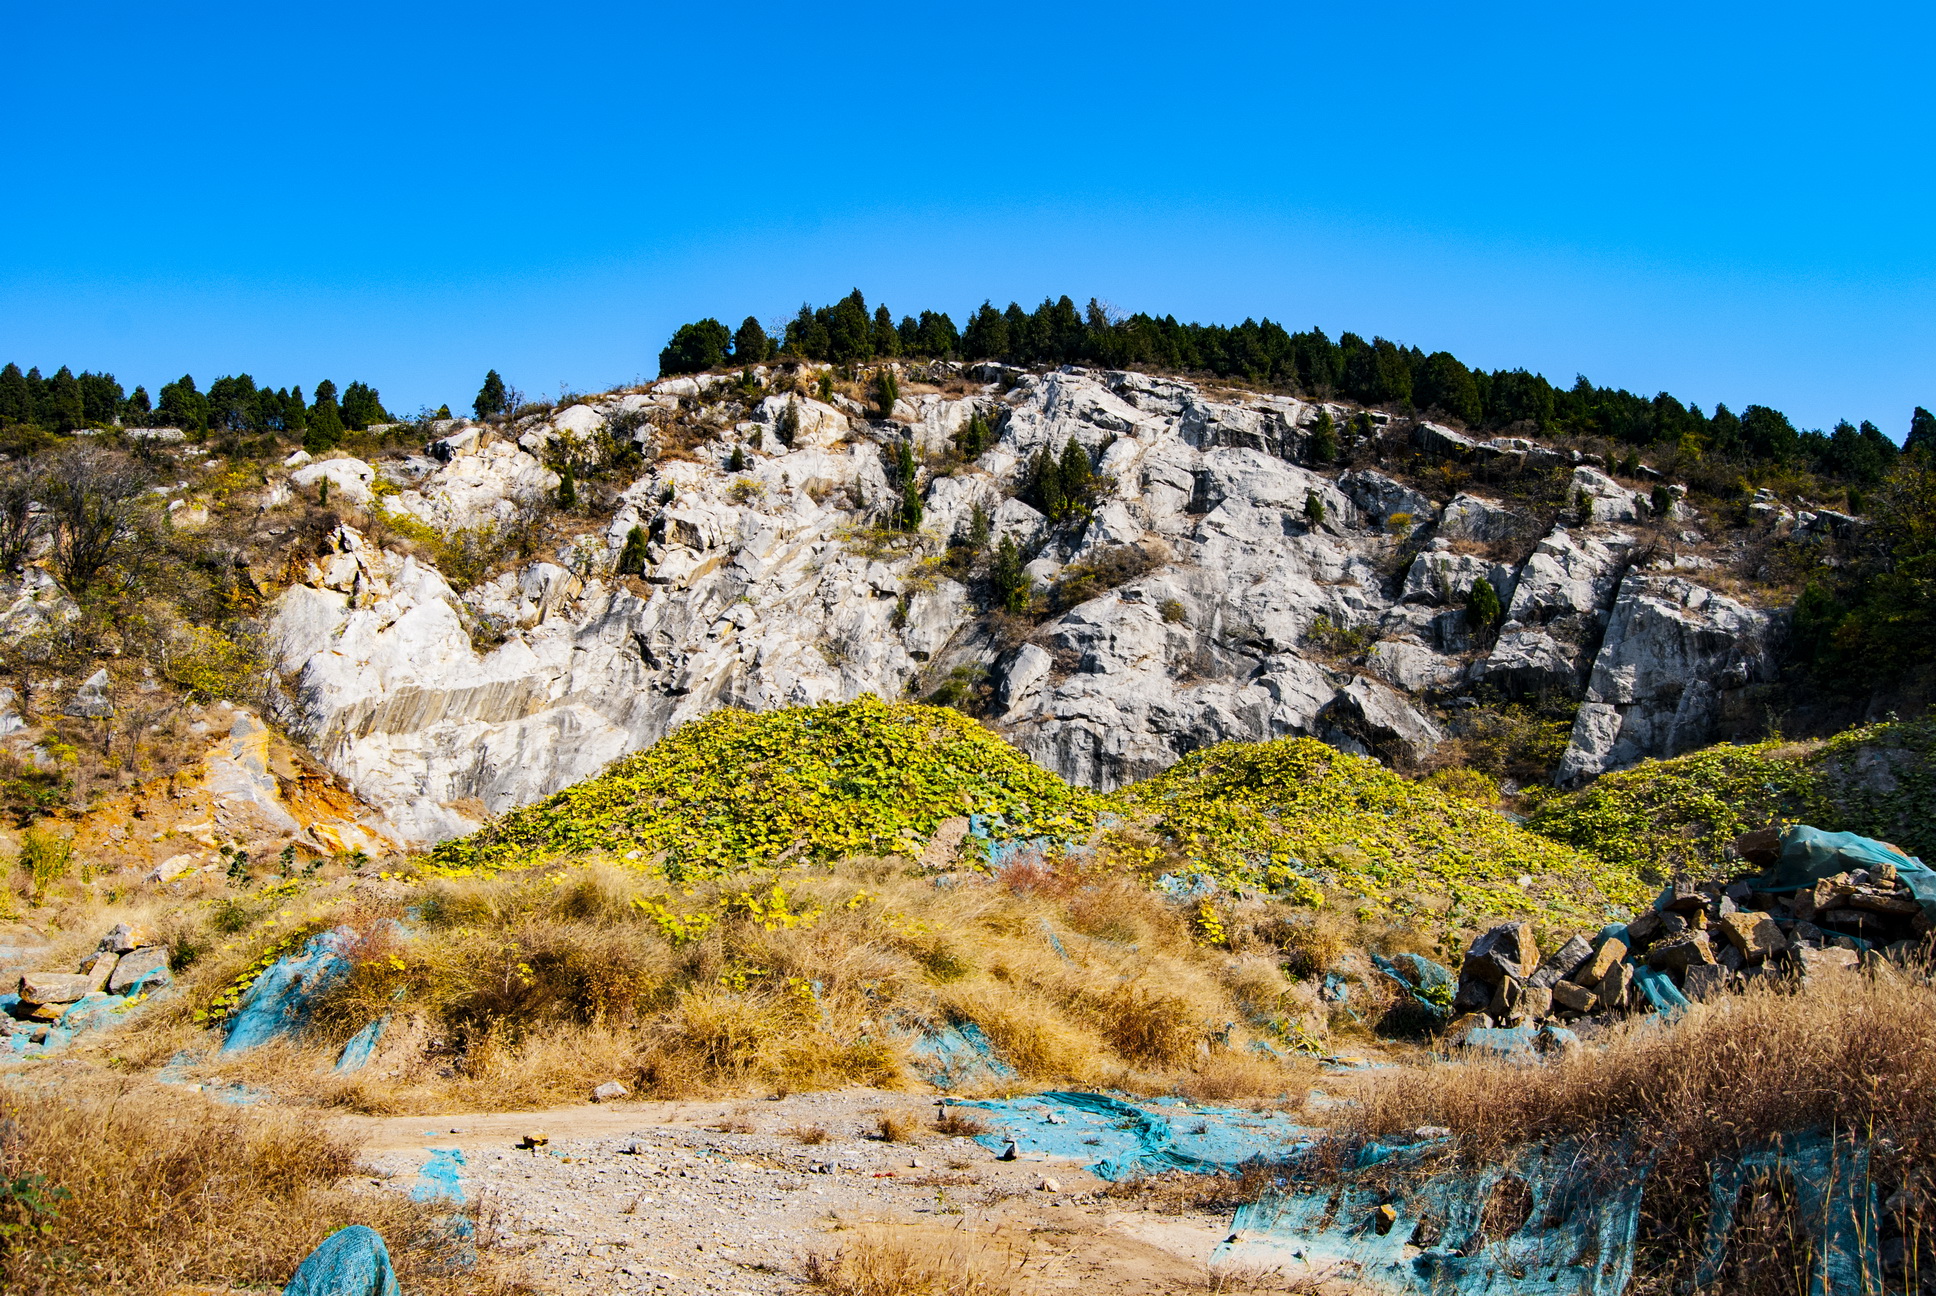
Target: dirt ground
(732,1196)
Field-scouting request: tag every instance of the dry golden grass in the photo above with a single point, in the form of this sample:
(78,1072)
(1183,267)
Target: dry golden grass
(898,1127)
(1854,1054)
(155,1189)
(956,1263)
(525,990)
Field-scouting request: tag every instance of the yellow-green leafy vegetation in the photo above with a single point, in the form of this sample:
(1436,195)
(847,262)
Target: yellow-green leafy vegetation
(1304,820)
(1678,816)
(739,789)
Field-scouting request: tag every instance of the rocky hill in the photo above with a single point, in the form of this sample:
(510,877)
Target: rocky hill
(1239,565)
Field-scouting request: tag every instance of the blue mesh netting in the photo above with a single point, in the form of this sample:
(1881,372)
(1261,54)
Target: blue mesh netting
(1122,1140)
(278,1003)
(957,1054)
(350,1262)
(356,1053)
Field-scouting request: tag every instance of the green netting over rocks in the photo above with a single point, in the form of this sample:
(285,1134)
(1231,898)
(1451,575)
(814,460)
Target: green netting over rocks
(740,789)
(1295,816)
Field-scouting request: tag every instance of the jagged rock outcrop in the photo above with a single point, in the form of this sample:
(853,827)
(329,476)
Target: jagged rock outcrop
(1267,596)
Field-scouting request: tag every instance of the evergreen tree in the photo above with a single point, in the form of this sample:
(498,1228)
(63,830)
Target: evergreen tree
(60,401)
(1922,431)
(231,403)
(632,557)
(1482,610)
(887,390)
(1011,582)
(986,337)
(182,406)
(295,413)
(978,530)
(1313,510)
(973,437)
(1045,484)
(1078,479)
(737,462)
(1324,438)
(362,407)
(325,420)
(490,397)
(787,426)
(887,339)
(910,512)
(825,387)
(903,461)
(101,399)
(443,412)
(567,488)
(751,345)
(135,412)
(16,398)
(695,348)
(938,337)
(850,334)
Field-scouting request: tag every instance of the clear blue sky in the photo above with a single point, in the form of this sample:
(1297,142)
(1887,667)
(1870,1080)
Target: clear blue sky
(1730,202)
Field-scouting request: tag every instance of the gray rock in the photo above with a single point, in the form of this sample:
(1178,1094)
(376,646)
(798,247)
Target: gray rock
(1562,962)
(1529,662)
(91,701)
(135,965)
(54,987)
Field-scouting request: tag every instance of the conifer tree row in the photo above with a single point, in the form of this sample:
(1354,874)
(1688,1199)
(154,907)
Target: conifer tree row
(1378,373)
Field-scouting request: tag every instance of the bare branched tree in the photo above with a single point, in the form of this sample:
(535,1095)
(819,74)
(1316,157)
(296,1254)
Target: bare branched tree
(21,488)
(96,497)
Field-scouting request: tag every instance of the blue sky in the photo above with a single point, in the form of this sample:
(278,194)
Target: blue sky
(1729,202)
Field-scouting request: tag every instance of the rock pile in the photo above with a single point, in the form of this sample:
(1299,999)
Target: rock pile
(1699,940)
(126,964)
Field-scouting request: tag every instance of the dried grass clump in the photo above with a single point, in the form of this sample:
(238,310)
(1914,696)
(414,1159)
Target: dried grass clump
(952,1263)
(1851,1054)
(155,1189)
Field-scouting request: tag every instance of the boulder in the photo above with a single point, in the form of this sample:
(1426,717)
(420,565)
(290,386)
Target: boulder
(1755,935)
(610,1091)
(123,937)
(349,479)
(1507,951)
(1606,956)
(98,970)
(1528,662)
(1680,952)
(1562,962)
(1611,993)
(91,700)
(136,966)
(1705,981)
(54,987)
(1571,996)
(1471,517)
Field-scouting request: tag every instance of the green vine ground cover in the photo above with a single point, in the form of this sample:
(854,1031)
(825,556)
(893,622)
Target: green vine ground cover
(1678,816)
(1301,819)
(738,790)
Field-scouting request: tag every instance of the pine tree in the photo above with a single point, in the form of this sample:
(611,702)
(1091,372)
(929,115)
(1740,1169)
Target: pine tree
(887,338)
(887,390)
(751,345)
(325,420)
(1313,510)
(904,465)
(973,437)
(737,463)
(910,516)
(978,530)
(1010,580)
(1922,432)
(1077,476)
(787,426)
(632,557)
(1324,438)
(825,387)
(567,488)
(443,411)
(1482,610)
(490,397)
(16,398)
(1045,484)
(695,348)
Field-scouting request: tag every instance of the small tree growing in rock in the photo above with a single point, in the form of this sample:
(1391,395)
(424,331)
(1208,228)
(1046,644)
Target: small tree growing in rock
(1313,510)
(1010,580)
(1324,438)
(910,511)
(567,488)
(787,426)
(887,390)
(632,556)
(737,461)
(490,400)
(1482,610)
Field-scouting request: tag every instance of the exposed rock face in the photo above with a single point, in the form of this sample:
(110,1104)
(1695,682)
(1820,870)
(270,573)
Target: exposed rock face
(1274,598)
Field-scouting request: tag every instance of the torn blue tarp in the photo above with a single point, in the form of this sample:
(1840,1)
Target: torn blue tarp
(1809,854)
(278,1003)
(351,1262)
(958,1054)
(440,1180)
(1826,1183)
(1430,984)
(1558,1226)
(356,1053)
(1661,992)
(1121,1140)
